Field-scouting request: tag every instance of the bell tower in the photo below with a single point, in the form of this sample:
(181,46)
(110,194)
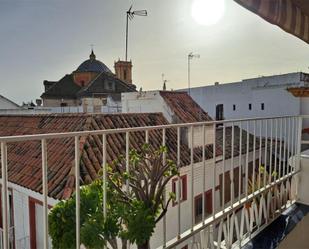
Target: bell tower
(123,70)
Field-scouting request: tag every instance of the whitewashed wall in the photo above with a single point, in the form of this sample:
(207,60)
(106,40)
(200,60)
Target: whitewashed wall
(171,217)
(268,90)
(304,110)
(277,100)
(23,111)
(39,212)
(7,104)
(21,204)
(21,219)
(198,139)
(21,215)
(150,101)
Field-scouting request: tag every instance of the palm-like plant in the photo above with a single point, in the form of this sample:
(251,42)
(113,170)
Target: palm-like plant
(260,180)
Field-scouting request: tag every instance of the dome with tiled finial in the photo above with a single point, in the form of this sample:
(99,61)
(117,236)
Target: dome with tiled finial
(93,65)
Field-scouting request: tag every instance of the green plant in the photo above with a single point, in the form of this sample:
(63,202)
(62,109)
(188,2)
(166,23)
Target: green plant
(132,212)
(95,230)
(261,179)
(146,203)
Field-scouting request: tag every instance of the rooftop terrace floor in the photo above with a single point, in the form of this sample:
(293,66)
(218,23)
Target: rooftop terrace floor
(289,231)
(298,238)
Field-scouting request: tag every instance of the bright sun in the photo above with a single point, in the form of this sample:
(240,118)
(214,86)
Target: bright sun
(207,12)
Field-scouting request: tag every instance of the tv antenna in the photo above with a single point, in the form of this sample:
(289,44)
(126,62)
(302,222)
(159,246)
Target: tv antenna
(130,16)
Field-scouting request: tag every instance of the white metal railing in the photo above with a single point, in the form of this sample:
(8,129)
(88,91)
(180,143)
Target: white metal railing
(275,140)
(22,243)
(11,238)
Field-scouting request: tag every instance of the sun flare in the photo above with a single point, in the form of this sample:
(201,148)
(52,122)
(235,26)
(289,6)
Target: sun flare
(207,12)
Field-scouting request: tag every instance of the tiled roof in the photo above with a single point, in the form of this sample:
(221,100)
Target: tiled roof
(228,141)
(184,107)
(237,132)
(64,88)
(93,65)
(24,158)
(99,85)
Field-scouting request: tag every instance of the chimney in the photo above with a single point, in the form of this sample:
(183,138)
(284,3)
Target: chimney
(38,102)
(123,71)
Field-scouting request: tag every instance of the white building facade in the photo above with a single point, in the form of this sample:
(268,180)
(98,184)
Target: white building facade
(251,98)
(6,103)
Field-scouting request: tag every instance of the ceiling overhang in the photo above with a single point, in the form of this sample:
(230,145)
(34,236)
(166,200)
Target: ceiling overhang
(290,15)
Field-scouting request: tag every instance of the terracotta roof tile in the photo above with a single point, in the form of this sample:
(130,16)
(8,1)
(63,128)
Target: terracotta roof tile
(184,107)
(24,158)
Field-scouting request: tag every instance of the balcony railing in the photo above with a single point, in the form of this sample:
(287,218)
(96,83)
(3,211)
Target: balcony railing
(11,238)
(237,213)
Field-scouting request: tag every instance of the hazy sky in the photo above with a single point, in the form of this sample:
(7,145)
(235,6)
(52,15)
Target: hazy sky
(42,39)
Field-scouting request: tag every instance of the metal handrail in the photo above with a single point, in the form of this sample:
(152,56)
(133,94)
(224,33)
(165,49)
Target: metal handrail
(292,124)
(124,130)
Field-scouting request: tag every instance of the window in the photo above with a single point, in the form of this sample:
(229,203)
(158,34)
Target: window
(108,85)
(262,106)
(125,74)
(234,107)
(104,101)
(228,186)
(219,112)
(183,188)
(198,206)
(250,107)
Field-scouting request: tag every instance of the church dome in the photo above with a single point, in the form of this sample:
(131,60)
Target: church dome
(93,65)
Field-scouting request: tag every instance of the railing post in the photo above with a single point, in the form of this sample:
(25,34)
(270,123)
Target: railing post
(265,154)
(127,159)
(276,150)
(45,192)
(298,157)
(179,184)
(280,148)
(192,176)
(240,163)
(232,165)
(204,174)
(128,168)
(77,190)
(104,174)
(254,155)
(4,195)
(214,171)
(247,162)
(223,175)
(164,193)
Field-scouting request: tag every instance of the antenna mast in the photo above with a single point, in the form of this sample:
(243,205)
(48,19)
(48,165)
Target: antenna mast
(130,16)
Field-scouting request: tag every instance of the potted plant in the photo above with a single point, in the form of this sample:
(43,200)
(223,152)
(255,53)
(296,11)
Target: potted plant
(260,181)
